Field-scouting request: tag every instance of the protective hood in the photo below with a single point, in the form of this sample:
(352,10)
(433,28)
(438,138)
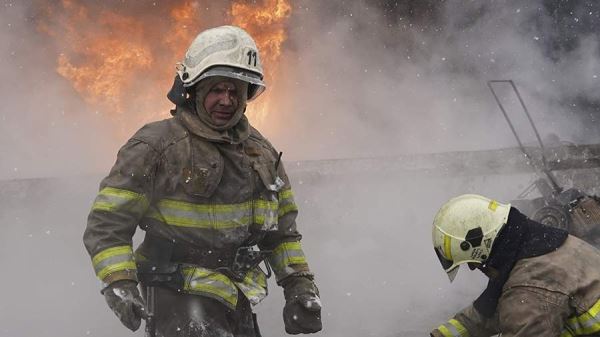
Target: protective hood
(521,238)
(197,120)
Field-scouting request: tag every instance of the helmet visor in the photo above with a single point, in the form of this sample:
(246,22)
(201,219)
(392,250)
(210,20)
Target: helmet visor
(448,265)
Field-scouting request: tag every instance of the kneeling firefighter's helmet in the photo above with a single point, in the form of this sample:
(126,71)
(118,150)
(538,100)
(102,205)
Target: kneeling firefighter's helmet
(464,230)
(227,51)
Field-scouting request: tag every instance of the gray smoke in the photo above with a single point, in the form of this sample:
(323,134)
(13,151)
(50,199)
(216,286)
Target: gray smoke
(362,79)
(375,82)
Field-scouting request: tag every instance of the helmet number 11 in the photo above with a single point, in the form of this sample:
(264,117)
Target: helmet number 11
(252,56)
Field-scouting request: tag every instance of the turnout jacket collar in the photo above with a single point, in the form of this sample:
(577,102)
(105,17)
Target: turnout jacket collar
(234,135)
(520,238)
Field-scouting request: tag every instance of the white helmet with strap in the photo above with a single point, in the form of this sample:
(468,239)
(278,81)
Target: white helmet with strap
(227,51)
(464,230)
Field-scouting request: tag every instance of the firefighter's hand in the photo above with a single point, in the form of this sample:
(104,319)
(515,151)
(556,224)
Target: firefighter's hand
(123,298)
(302,311)
(302,315)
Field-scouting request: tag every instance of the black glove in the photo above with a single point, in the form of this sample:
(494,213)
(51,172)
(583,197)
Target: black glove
(302,311)
(123,298)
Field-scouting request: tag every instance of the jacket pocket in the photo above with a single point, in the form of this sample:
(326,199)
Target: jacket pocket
(204,169)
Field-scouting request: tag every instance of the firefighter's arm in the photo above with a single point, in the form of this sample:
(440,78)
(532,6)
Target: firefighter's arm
(123,198)
(287,257)
(529,312)
(468,323)
(302,311)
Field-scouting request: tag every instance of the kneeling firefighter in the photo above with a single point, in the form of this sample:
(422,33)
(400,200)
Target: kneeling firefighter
(214,200)
(542,281)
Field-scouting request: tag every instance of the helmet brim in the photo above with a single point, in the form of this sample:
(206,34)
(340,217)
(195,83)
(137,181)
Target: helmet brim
(449,267)
(256,84)
(452,273)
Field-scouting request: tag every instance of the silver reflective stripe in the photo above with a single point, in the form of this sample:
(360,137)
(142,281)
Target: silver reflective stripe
(280,261)
(286,202)
(266,214)
(112,260)
(223,216)
(452,329)
(220,216)
(585,324)
(285,255)
(115,199)
(254,286)
(211,283)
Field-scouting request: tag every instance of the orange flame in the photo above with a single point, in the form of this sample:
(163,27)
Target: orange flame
(122,63)
(266,24)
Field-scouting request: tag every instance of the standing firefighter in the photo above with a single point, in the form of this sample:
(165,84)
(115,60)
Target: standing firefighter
(542,281)
(213,197)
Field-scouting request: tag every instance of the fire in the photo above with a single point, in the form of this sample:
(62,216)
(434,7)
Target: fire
(266,24)
(121,60)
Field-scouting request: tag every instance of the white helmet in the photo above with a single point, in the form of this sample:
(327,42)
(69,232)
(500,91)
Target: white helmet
(464,230)
(223,51)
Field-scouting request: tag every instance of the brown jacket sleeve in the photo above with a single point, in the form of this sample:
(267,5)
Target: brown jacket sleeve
(123,198)
(468,323)
(288,257)
(532,312)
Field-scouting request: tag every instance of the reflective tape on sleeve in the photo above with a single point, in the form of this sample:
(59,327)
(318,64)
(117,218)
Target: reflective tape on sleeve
(266,214)
(286,202)
(113,260)
(286,254)
(112,199)
(587,323)
(453,328)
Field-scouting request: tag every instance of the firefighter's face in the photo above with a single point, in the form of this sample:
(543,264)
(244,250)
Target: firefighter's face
(221,102)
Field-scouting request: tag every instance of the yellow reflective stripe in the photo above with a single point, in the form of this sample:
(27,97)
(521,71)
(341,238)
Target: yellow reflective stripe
(185,214)
(453,328)
(210,283)
(254,286)
(286,202)
(459,327)
(445,332)
(109,252)
(587,323)
(447,247)
(285,209)
(127,265)
(112,199)
(219,216)
(265,214)
(203,208)
(286,194)
(199,223)
(112,260)
(286,254)
(265,204)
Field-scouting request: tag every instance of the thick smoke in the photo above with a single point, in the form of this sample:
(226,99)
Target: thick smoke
(360,79)
(379,81)
(46,130)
